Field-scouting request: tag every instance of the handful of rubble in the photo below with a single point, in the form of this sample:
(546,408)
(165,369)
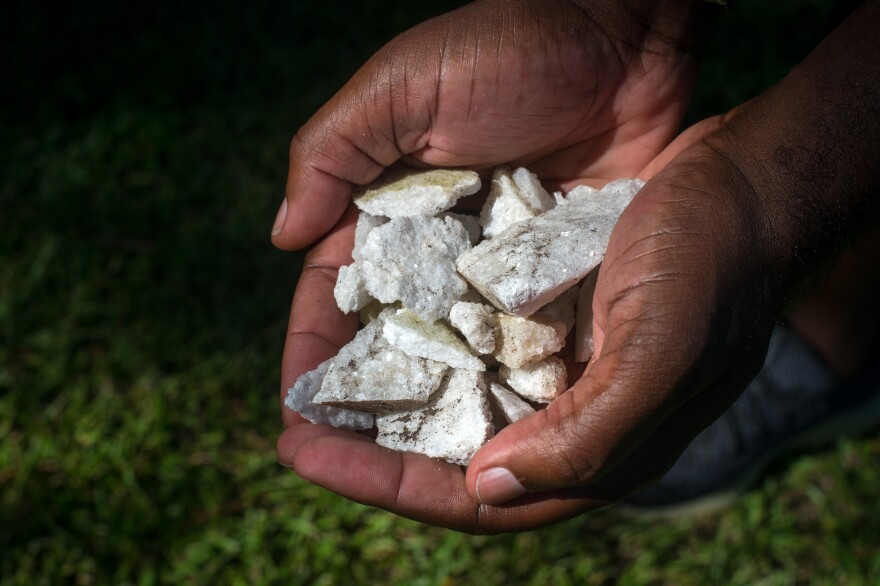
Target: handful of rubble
(463,315)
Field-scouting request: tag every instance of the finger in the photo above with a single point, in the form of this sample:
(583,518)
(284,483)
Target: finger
(412,485)
(382,113)
(317,329)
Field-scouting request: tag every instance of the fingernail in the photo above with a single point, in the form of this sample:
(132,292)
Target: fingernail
(288,466)
(279,219)
(498,485)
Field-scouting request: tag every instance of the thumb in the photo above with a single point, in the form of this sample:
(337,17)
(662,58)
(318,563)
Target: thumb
(375,119)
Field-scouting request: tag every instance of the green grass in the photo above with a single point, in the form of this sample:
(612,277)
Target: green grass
(142,314)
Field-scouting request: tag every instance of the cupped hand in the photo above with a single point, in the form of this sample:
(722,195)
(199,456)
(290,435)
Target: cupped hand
(577,98)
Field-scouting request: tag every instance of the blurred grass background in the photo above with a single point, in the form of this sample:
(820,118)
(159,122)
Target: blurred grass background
(143,153)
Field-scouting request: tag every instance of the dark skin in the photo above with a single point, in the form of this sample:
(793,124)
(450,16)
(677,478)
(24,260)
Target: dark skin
(697,270)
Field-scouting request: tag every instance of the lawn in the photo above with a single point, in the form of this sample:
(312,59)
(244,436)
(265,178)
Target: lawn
(143,153)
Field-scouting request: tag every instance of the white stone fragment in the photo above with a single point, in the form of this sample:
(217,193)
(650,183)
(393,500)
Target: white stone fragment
(300,399)
(412,260)
(365,225)
(351,290)
(583,332)
(477,324)
(403,192)
(452,426)
(541,382)
(511,406)
(373,310)
(369,374)
(406,331)
(522,341)
(580,192)
(471,225)
(513,197)
(563,308)
(533,261)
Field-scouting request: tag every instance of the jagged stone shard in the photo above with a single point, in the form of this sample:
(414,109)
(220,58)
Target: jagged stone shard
(562,308)
(511,407)
(477,324)
(514,196)
(406,331)
(350,291)
(522,341)
(404,191)
(412,260)
(533,261)
(583,331)
(471,225)
(371,375)
(365,225)
(541,382)
(452,426)
(300,399)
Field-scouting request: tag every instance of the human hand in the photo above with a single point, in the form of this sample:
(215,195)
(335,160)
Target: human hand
(584,108)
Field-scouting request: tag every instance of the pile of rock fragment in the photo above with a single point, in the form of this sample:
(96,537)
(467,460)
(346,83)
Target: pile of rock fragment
(462,315)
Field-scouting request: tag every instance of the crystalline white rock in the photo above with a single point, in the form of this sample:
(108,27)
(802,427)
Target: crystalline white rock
(406,331)
(476,323)
(511,406)
(369,374)
(563,308)
(513,197)
(541,382)
(351,290)
(373,310)
(365,224)
(300,399)
(533,261)
(452,426)
(583,332)
(580,192)
(522,341)
(414,192)
(412,260)
(471,225)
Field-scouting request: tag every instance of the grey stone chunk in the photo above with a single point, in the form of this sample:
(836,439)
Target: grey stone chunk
(477,324)
(541,382)
(406,331)
(412,260)
(300,398)
(471,225)
(513,197)
(371,375)
(509,404)
(403,192)
(452,426)
(350,291)
(583,331)
(522,341)
(535,260)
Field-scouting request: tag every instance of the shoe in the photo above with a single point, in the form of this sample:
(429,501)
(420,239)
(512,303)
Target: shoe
(794,402)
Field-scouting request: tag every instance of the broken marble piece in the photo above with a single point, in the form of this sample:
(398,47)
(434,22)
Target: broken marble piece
(540,382)
(350,291)
(372,310)
(562,308)
(511,407)
(365,224)
(300,398)
(476,323)
(369,374)
(533,261)
(471,225)
(412,260)
(522,341)
(406,331)
(514,196)
(404,191)
(452,426)
(583,331)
